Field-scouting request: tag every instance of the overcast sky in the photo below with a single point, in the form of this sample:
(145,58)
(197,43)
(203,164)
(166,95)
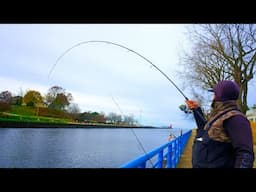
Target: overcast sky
(100,76)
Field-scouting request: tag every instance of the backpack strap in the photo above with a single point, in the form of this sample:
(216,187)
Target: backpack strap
(218,116)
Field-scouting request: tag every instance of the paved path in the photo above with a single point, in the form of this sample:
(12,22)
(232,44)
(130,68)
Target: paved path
(186,157)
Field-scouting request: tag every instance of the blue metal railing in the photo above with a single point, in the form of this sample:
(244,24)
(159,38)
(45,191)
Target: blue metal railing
(168,154)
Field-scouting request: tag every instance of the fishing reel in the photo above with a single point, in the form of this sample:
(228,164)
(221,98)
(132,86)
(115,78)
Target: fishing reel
(185,109)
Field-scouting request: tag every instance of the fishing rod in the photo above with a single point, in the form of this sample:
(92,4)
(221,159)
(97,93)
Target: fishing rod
(122,46)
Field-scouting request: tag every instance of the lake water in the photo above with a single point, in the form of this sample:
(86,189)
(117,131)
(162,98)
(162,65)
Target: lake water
(75,147)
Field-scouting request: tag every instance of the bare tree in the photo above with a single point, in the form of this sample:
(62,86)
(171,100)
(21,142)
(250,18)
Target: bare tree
(5,100)
(73,108)
(114,118)
(222,51)
(129,119)
(6,96)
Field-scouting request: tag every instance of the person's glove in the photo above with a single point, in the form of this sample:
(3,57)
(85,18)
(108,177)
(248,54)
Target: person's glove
(192,104)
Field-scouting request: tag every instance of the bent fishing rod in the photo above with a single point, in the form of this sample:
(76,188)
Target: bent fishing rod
(124,47)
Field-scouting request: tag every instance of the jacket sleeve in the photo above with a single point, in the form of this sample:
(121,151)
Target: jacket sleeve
(199,118)
(239,130)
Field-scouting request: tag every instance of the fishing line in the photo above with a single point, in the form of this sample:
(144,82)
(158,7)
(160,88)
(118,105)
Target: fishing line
(133,133)
(117,104)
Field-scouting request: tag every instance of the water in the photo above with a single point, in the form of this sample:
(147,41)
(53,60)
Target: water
(76,148)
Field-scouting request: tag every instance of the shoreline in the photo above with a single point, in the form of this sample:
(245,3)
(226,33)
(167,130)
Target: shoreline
(11,124)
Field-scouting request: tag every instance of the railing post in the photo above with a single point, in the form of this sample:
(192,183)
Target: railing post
(173,154)
(160,159)
(169,156)
(179,154)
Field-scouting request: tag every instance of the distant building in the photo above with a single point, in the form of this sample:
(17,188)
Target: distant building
(251,114)
(16,100)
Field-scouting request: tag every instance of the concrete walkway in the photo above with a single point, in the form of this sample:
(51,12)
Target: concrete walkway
(186,157)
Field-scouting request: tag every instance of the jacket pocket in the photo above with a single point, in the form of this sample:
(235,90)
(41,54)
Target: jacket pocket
(200,152)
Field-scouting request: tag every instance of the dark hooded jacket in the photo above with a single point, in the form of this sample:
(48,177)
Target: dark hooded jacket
(225,140)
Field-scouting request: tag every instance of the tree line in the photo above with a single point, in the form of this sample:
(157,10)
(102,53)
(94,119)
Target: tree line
(219,52)
(58,103)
